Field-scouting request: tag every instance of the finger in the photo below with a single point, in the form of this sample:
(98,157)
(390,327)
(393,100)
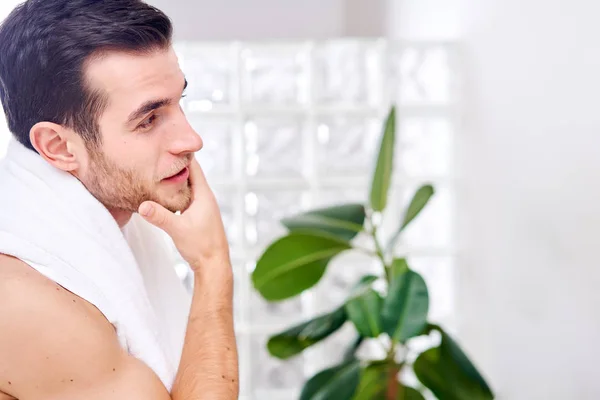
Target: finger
(158,216)
(197,178)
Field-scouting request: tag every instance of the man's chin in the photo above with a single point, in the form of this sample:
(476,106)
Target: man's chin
(179,203)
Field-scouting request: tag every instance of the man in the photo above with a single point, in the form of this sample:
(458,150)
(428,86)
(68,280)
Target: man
(93,87)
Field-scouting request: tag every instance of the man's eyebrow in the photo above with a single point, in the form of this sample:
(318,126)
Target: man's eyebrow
(147,107)
(150,105)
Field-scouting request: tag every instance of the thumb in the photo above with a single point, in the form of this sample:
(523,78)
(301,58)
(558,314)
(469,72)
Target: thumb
(157,215)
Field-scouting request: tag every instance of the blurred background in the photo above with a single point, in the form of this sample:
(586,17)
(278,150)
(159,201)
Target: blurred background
(495,107)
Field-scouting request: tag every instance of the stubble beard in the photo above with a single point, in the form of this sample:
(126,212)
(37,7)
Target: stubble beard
(125,189)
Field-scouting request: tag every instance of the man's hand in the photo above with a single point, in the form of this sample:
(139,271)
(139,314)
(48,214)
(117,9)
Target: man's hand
(198,233)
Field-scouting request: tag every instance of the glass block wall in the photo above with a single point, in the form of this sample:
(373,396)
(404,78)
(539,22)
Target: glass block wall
(292,126)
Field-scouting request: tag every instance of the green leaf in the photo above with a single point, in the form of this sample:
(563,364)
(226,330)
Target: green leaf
(336,383)
(449,374)
(404,312)
(384,167)
(374,383)
(363,283)
(294,263)
(416,205)
(399,268)
(409,393)
(294,340)
(344,221)
(364,311)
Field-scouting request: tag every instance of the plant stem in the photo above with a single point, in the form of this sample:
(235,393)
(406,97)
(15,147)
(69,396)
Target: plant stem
(392,381)
(379,253)
(393,384)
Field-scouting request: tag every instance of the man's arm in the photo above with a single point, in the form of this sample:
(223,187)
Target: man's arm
(209,363)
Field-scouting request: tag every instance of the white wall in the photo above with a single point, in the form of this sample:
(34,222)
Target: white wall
(424,19)
(273,19)
(248,20)
(533,183)
(530,286)
(236,19)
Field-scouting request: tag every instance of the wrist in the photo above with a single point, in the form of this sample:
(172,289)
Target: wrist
(214,292)
(214,276)
(220,260)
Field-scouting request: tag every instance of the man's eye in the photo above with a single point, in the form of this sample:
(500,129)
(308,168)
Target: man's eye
(148,122)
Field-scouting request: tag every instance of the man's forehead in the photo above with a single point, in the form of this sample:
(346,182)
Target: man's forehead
(134,73)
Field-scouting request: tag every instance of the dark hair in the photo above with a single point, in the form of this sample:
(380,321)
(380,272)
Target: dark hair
(45,46)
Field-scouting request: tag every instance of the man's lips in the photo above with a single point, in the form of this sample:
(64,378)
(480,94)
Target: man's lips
(180,176)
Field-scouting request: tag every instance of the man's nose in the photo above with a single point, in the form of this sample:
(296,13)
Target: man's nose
(185,139)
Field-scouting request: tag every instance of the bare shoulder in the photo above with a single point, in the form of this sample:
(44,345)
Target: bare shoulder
(54,343)
(43,328)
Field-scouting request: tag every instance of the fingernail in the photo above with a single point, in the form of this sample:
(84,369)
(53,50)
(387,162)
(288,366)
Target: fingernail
(146,209)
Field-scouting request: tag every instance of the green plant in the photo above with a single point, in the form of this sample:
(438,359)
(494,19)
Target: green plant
(296,262)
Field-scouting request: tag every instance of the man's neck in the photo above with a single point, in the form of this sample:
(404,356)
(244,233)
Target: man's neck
(122,217)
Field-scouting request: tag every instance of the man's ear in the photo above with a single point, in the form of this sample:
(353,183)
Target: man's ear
(57,145)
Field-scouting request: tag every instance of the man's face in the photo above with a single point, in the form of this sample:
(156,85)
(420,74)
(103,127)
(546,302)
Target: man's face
(146,138)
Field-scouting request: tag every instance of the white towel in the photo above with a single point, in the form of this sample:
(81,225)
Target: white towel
(49,220)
